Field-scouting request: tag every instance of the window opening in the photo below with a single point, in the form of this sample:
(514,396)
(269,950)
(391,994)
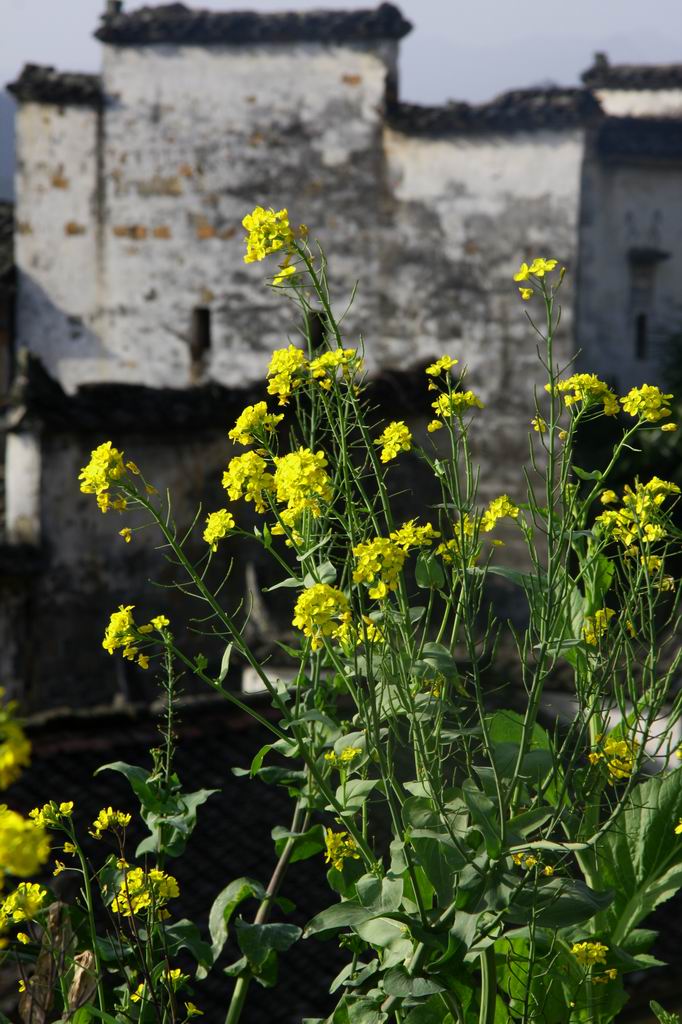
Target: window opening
(200,339)
(640,336)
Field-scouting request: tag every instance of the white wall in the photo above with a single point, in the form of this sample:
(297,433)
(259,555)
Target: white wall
(640,102)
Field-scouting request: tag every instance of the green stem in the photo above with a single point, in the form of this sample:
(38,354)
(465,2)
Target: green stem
(488,986)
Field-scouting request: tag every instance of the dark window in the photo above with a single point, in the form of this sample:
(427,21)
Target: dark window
(640,336)
(200,340)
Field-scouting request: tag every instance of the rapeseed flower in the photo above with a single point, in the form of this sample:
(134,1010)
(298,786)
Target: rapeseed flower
(340,846)
(323,368)
(268,231)
(15,748)
(109,820)
(499,508)
(411,536)
(647,402)
(52,814)
(538,268)
(23,904)
(318,610)
(395,438)
(286,372)
(640,519)
(141,890)
(595,626)
(344,759)
(24,846)
(589,953)
(455,404)
(247,477)
(589,390)
(379,563)
(442,365)
(218,525)
(253,423)
(301,483)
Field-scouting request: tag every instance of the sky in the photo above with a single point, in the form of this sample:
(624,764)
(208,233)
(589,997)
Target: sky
(458,49)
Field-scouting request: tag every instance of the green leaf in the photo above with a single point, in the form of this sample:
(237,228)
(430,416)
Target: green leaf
(185,935)
(347,914)
(224,906)
(305,844)
(257,941)
(397,982)
(258,759)
(355,793)
(428,571)
(484,816)
(662,1015)
(507,727)
(641,858)
(582,474)
(290,581)
(558,902)
(380,895)
(137,777)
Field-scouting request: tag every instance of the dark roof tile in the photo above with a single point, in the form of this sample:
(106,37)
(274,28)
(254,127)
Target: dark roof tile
(518,110)
(44,84)
(176,23)
(603,75)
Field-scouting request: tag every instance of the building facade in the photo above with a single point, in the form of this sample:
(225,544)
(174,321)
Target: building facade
(134,317)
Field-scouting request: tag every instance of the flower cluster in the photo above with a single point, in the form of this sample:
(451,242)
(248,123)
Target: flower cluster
(619,755)
(639,520)
(588,389)
(323,368)
(442,365)
(23,904)
(15,748)
(647,402)
(141,890)
(411,536)
(455,404)
(396,438)
(286,372)
(301,482)
(218,525)
(109,820)
(538,268)
(344,759)
(122,632)
(253,423)
(173,978)
(379,563)
(340,847)
(105,468)
(499,508)
(24,845)
(589,953)
(318,610)
(52,814)
(268,231)
(247,477)
(595,626)
(529,861)
(352,634)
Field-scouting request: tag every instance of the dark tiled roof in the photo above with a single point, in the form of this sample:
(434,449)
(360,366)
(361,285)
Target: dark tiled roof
(603,75)
(519,110)
(176,23)
(44,84)
(637,138)
(6,237)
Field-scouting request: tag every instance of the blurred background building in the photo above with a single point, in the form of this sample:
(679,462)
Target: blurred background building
(126,311)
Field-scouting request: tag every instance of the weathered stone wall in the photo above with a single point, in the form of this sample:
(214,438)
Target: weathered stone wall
(631,251)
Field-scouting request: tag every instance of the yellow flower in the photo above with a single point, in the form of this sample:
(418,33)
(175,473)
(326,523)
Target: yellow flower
(441,365)
(647,402)
(159,622)
(588,389)
(323,369)
(434,425)
(123,633)
(301,482)
(109,820)
(595,626)
(538,268)
(396,438)
(24,903)
(68,848)
(24,845)
(548,870)
(193,1011)
(378,564)
(15,748)
(523,273)
(126,533)
(589,953)
(340,847)
(253,423)
(620,757)
(283,273)
(347,755)
(267,232)
(105,467)
(669,427)
(455,404)
(411,536)
(246,477)
(59,866)
(608,497)
(499,508)
(23,938)
(639,520)
(218,525)
(317,610)
(145,890)
(678,827)
(539,425)
(526,293)
(286,372)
